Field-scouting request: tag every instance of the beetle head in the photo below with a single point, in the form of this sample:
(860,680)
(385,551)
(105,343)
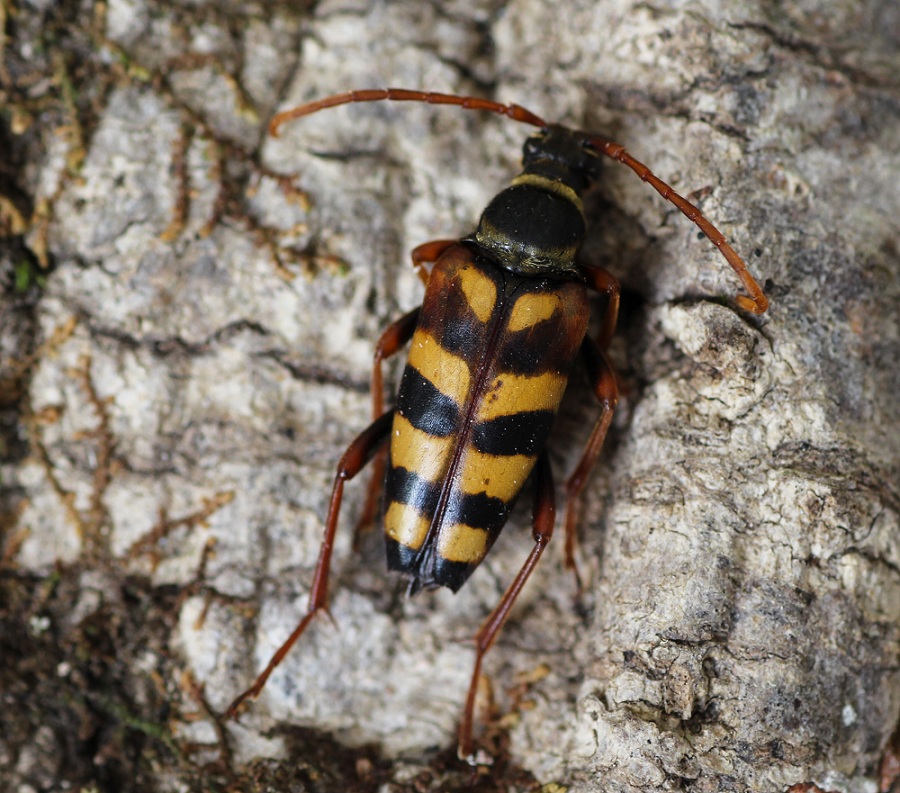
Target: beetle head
(563,155)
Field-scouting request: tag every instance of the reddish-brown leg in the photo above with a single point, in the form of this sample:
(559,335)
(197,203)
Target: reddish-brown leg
(603,381)
(605,282)
(543,515)
(605,385)
(429,253)
(357,455)
(394,337)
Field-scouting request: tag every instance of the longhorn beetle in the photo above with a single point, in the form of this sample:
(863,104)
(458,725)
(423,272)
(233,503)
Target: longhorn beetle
(504,316)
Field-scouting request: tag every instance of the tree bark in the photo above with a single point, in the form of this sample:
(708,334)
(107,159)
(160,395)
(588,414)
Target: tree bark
(203,350)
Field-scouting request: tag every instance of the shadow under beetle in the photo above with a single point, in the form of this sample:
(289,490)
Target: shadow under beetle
(504,317)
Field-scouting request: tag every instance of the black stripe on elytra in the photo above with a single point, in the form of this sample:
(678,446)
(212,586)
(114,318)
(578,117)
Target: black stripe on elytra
(458,332)
(478,510)
(450,318)
(423,406)
(407,487)
(535,350)
(516,433)
(449,574)
(400,558)
(426,568)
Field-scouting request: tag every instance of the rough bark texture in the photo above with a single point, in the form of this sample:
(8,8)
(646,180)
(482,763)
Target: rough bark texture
(179,384)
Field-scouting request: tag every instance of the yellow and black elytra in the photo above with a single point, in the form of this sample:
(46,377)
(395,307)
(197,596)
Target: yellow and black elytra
(505,316)
(467,432)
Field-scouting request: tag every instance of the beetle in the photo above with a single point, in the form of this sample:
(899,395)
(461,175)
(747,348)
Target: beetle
(504,317)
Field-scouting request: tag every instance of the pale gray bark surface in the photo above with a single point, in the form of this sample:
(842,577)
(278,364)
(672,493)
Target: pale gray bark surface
(740,534)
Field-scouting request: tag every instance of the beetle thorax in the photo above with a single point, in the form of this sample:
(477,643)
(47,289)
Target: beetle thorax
(534,227)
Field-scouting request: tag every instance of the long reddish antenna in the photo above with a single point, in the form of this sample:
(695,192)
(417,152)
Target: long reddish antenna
(757,302)
(515,112)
